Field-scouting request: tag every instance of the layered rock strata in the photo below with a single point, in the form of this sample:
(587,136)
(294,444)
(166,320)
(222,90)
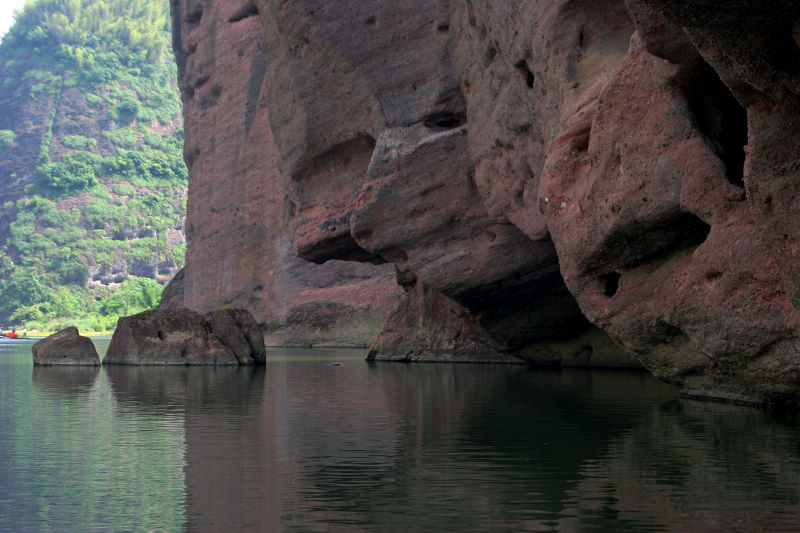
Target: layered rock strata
(183,337)
(544,176)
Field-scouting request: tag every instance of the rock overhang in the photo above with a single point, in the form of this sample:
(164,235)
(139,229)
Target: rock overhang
(629,150)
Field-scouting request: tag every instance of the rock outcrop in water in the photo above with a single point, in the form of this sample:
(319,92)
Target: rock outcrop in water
(65,347)
(183,337)
(544,176)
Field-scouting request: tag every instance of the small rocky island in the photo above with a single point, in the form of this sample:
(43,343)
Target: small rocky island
(184,337)
(66,347)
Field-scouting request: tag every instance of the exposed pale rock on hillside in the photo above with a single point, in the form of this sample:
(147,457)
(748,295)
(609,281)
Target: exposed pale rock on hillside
(534,171)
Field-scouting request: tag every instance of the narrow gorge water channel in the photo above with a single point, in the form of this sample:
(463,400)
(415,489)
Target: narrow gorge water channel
(306,446)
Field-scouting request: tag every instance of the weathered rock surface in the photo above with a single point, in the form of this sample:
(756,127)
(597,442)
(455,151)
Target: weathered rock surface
(429,326)
(65,347)
(183,337)
(172,297)
(239,253)
(534,171)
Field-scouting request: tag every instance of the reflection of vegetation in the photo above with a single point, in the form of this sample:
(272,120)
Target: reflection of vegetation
(75,460)
(111,196)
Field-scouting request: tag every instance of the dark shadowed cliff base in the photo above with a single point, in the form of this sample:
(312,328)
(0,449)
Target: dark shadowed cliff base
(561,182)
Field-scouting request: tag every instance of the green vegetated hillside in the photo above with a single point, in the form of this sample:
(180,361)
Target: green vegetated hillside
(91,162)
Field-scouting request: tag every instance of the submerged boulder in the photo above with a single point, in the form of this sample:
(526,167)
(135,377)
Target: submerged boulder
(184,337)
(66,347)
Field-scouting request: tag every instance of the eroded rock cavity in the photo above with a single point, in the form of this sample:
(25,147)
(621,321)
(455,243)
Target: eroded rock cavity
(564,182)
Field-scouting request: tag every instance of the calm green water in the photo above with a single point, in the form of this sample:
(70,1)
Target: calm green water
(302,446)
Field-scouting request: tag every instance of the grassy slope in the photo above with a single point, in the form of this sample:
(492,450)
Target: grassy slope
(91,165)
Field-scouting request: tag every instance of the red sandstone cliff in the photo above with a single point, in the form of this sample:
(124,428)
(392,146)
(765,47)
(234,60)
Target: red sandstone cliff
(239,253)
(534,171)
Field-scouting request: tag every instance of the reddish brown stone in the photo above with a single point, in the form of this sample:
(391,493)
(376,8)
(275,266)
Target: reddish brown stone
(65,347)
(539,166)
(377,151)
(428,326)
(183,337)
(239,253)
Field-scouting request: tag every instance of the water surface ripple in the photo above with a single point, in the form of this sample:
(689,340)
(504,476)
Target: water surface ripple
(307,446)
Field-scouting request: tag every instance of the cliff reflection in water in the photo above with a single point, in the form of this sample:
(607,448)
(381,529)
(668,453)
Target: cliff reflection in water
(392,447)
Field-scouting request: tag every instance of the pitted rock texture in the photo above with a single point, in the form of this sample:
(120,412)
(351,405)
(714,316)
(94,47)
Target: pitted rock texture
(65,347)
(546,168)
(183,337)
(369,118)
(239,253)
(428,326)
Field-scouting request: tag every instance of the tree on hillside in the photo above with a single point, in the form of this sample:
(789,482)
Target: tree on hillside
(100,123)
(71,24)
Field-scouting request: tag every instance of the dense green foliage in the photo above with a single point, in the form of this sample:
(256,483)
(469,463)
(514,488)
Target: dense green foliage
(79,28)
(6,138)
(106,200)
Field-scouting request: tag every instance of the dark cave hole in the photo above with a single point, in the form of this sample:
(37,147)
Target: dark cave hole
(161,335)
(684,233)
(648,247)
(610,283)
(522,66)
(721,118)
(194,16)
(534,306)
(246,12)
(341,247)
(444,120)
(490,54)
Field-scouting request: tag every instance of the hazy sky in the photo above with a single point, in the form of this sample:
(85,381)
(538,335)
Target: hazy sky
(7,8)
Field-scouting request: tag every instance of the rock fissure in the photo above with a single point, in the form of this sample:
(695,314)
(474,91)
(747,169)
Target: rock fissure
(721,119)
(246,11)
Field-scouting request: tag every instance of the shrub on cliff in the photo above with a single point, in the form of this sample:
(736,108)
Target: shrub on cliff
(79,142)
(62,178)
(126,110)
(6,138)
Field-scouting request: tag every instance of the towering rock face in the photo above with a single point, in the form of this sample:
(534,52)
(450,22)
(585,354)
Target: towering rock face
(239,252)
(370,120)
(534,171)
